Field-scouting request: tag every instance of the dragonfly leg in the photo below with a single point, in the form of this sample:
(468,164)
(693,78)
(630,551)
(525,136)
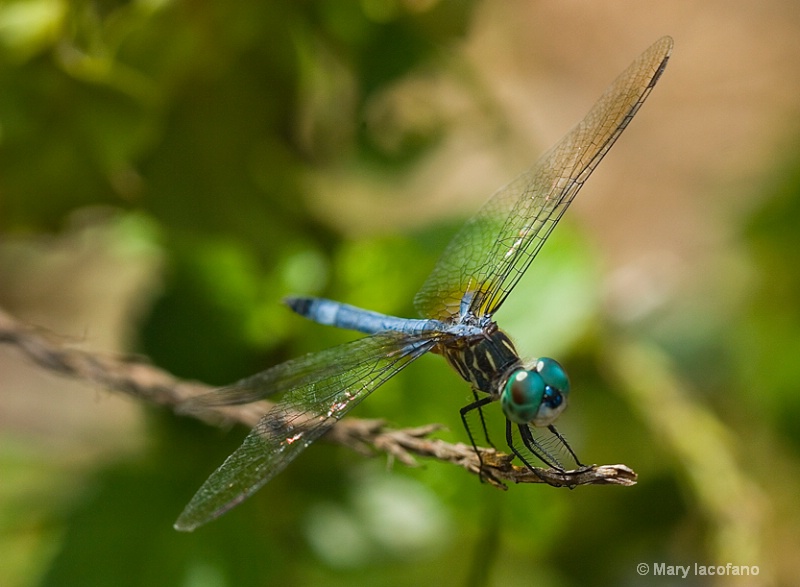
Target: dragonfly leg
(535,447)
(483,419)
(476,405)
(563,441)
(519,455)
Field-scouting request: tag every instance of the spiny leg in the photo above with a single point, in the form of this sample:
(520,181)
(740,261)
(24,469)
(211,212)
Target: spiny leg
(483,420)
(476,405)
(517,453)
(563,441)
(536,447)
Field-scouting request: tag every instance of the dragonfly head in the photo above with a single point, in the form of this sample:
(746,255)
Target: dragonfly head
(536,396)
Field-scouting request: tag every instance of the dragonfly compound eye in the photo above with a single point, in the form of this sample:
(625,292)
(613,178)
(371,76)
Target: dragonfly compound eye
(556,390)
(522,396)
(553,374)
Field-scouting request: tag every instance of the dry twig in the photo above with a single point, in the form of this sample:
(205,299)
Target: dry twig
(147,382)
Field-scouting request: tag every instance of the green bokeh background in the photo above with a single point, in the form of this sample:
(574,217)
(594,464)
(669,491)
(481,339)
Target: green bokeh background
(180,147)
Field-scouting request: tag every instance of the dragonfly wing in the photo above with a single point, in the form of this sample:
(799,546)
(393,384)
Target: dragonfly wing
(486,259)
(319,390)
(297,373)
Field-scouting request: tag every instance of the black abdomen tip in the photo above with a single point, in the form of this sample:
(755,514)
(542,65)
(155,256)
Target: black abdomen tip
(300,305)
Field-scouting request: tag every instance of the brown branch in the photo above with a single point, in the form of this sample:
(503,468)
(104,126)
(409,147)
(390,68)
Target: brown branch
(142,380)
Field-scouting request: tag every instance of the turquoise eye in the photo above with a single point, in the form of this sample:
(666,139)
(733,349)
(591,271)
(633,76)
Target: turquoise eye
(553,374)
(522,396)
(536,396)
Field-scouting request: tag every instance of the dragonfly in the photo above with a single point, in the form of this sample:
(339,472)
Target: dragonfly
(469,283)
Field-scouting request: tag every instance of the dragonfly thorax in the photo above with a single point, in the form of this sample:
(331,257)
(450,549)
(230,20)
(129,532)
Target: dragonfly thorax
(484,361)
(536,396)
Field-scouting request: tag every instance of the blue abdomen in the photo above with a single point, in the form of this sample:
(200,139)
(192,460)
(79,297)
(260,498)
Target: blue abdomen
(350,317)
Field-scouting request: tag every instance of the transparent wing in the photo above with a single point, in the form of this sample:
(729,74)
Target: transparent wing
(484,261)
(320,389)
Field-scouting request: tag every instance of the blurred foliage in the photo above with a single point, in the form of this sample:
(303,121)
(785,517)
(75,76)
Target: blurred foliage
(210,120)
(766,341)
